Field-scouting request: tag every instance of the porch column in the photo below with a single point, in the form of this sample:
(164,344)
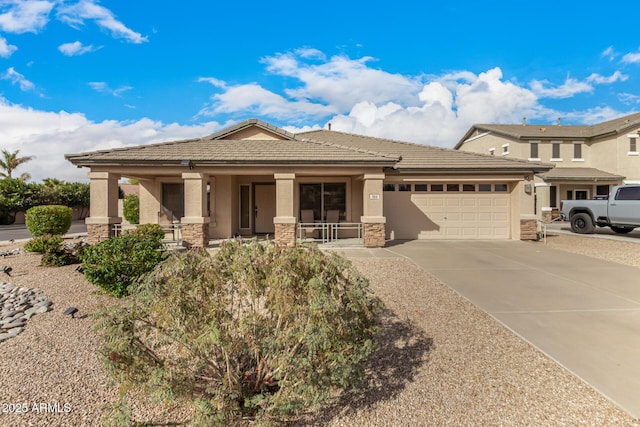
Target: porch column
(372,218)
(195,223)
(285,220)
(103,210)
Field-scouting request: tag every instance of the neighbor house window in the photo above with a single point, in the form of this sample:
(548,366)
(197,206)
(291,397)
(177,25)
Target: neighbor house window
(505,149)
(602,190)
(533,148)
(553,196)
(555,151)
(633,145)
(577,151)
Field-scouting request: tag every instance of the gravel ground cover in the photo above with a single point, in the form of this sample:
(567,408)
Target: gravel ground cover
(440,360)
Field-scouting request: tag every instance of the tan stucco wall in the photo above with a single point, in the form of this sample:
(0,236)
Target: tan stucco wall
(253,133)
(613,156)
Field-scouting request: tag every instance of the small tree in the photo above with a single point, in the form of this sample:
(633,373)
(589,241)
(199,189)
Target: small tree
(258,331)
(9,161)
(131,208)
(15,195)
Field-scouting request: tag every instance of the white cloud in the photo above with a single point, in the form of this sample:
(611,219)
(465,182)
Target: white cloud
(570,88)
(103,87)
(341,81)
(75,15)
(254,99)
(24,16)
(76,49)
(609,53)
(16,78)
(213,81)
(615,77)
(631,58)
(629,98)
(6,50)
(50,135)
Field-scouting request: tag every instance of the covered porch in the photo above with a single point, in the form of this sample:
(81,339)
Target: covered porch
(336,207)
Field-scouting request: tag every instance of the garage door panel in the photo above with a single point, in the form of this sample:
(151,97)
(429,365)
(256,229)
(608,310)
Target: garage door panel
(447,215)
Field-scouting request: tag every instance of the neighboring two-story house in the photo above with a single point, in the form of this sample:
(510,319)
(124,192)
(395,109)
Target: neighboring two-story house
(589,160)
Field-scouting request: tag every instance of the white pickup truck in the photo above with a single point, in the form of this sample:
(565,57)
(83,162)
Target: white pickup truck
(620,211)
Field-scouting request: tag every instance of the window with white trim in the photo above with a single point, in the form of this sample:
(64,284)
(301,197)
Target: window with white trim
(533,151)
(555,151)
(577,151)
(633,144)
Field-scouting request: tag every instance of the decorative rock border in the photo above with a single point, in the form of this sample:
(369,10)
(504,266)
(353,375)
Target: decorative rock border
(17,305)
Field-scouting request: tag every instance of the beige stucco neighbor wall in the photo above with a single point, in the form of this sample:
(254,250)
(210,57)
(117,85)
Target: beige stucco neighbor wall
(372,210)
(613,155)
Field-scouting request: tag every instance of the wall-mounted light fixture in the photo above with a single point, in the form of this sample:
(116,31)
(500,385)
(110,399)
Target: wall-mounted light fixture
(187,163)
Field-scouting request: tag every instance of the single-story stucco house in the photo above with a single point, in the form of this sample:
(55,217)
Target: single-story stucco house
(254,178)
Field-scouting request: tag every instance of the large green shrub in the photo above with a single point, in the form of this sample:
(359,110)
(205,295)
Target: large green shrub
(254,332)
(48,219)
(131,209)
(117,263)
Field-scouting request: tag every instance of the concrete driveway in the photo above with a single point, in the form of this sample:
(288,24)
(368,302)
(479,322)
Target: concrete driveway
(582,312)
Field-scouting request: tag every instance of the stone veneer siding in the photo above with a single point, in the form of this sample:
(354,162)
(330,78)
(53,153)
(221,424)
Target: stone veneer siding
(97,233)
(285,234)
(373,235)
(528,229)
(195,235)
(546,216)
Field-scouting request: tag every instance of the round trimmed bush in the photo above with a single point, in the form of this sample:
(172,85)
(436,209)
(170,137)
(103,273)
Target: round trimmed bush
(49,219)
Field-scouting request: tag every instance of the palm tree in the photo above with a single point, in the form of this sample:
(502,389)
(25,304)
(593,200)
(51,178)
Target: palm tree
(10,161)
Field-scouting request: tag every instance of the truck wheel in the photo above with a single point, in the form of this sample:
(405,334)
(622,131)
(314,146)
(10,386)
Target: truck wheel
(581,223)
(621,230)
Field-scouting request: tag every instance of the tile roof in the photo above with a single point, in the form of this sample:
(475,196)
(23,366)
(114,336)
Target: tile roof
(418,157)
(225,151)
(579,174)
(321,147)
(530,131)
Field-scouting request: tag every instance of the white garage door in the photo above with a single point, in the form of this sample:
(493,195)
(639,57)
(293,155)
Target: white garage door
(473,215)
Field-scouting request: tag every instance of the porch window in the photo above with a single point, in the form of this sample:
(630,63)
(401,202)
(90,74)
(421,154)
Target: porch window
(244,206)
(324,197)
(172,200)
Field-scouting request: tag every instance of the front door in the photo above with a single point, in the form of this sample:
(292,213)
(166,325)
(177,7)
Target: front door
(264,208)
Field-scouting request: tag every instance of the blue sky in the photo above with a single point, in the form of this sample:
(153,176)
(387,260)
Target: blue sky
(84,75)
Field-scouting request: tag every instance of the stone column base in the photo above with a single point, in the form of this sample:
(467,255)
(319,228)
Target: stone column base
(195,235)
(285,234)
(373,235)
(97,233)
(528,229)
(546,216)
